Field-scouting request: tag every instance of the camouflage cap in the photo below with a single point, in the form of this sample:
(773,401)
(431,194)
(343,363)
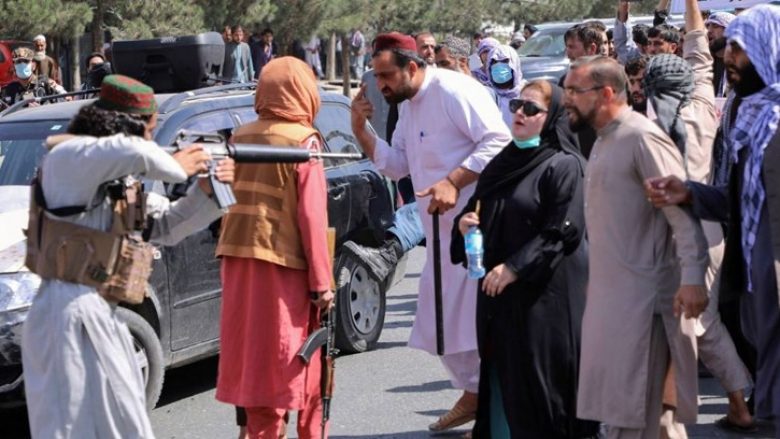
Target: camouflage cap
(22,53)
(125,94)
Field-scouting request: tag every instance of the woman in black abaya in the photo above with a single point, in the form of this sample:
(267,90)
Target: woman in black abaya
(531,301)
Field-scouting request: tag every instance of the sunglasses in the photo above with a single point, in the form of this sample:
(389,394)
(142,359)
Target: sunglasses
(530,108)
(22,61)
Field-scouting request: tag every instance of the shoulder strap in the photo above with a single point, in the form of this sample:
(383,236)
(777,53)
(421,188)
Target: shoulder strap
(66,210)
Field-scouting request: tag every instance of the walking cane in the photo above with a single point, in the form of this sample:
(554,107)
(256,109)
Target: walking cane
(437,285)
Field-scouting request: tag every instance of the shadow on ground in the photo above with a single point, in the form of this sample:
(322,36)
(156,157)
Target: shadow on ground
(433,386)
(190,380)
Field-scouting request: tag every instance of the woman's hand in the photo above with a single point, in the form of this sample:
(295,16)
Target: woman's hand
(466,221)
(498,278)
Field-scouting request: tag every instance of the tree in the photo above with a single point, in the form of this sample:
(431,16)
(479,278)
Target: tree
(154,18)
(539,11)
(251,14)
(23,19)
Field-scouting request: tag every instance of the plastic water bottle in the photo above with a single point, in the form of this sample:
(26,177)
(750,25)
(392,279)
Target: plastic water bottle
(474,252)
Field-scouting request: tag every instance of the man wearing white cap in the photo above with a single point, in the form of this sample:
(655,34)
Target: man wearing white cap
(46,65)
(716,25)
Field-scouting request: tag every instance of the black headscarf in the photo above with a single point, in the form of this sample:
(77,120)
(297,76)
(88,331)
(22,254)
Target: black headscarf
(512,164)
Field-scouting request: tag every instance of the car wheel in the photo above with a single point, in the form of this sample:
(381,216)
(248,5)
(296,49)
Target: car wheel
(148,354)
(360,307)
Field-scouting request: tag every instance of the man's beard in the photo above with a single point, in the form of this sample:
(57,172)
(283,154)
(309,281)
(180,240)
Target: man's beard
(717,45)
(749,81)
(639,105)
(578,122)
(403,93)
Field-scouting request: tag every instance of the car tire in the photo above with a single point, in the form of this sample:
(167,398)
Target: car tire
(148,353)
(360,307)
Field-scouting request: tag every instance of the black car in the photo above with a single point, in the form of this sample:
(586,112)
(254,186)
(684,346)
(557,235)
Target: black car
(179,322)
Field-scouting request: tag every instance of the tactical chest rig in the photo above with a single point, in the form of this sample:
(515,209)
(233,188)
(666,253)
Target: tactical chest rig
(117,263)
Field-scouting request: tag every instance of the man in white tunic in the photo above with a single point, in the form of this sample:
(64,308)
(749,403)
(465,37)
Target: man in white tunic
(448,130)
(81,377)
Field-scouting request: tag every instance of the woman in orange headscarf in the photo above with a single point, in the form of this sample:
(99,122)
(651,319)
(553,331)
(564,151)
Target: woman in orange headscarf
(276,269)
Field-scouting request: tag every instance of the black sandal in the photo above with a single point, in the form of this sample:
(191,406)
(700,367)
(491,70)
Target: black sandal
(726,424)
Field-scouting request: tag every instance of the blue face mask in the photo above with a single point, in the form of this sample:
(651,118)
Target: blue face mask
(533,142)
(501,73)
(23,70)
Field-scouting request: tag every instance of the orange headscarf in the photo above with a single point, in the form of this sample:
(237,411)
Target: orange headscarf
(287,90)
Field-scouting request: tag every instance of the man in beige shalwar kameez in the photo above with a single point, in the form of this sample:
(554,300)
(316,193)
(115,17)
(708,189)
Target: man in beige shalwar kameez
(638,288)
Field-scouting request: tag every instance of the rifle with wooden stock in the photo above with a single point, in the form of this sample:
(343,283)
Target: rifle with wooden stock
(324,338)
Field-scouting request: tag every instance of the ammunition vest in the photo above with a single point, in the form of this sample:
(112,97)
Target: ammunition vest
(263,224)
(116,263)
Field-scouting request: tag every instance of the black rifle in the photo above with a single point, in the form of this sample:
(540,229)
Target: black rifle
(220,148)
(323,338)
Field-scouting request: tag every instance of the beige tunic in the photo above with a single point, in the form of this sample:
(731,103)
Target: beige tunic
(701,123)
(634,274)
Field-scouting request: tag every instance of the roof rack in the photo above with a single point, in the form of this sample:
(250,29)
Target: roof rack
(43,99)
(176,100)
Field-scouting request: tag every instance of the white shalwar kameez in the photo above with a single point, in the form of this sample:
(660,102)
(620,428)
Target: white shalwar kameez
(80,372)
(450,122)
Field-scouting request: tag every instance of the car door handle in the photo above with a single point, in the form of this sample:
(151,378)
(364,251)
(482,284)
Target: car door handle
(338,191)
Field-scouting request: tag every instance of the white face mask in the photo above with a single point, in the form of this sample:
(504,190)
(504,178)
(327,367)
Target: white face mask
(23,70)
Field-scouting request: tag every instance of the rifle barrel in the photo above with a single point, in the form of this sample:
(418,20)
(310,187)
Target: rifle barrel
(251,153)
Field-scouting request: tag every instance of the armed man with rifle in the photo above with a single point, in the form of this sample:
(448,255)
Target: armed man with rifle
(29,82)
(276,268)
(89,238)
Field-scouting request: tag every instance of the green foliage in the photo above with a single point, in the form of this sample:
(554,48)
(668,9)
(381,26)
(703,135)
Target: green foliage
(251,14)
(24,19)
(297,19)
(153,18)
(539,11)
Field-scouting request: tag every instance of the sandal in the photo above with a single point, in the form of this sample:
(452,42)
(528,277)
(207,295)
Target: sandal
(726,424)
(464,411)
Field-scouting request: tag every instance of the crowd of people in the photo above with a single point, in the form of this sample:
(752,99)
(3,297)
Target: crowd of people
(604,207)
(629,221)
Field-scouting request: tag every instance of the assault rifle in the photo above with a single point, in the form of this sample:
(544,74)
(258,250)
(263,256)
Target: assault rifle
(324,338)
(220,148)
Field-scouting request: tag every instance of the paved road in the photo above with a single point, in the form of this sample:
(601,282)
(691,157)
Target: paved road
(392,392)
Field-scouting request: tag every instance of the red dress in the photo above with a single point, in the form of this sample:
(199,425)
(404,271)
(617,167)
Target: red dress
(267,314)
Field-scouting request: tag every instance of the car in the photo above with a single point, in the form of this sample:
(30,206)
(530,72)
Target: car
(6,61)
(179,322)
(543,56)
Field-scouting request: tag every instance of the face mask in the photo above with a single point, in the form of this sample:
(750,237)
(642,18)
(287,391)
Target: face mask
(533,142)
(501,73)
(23,70)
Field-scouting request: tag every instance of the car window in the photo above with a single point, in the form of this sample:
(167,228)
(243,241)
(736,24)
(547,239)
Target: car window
(21,149)
(2,57)
(546,42)
(335,124)
(213,122)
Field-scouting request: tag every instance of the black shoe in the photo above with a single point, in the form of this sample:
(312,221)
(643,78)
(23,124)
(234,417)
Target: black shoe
(379,261)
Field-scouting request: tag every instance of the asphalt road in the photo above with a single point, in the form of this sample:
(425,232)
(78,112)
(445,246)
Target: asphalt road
(392,392)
